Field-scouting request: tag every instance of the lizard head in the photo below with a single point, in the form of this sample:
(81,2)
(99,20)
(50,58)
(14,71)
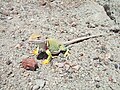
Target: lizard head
(38,41)
(34,37)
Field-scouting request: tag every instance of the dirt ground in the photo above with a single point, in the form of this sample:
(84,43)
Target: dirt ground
(93,64)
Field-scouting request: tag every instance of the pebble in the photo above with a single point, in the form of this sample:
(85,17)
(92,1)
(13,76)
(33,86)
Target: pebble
(4,83)
(40,83)
(60,65)
(43,2)
(26,74)
(36,87)
(8,62)
(6,13)
(115,28)
(9,18)
(52,0)
(97,86)
(71,30)
(32,19)
(112,79)
(76,67)
(18,46)
(67,67)
(116,66)
(9,73)
(12,75)
(97,79)
(91,26)
(74,24)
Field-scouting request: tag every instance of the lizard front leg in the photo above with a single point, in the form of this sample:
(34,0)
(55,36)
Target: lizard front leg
(46,61)
(66,53)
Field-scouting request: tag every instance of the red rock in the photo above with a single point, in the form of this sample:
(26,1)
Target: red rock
(110,79)
(29,64)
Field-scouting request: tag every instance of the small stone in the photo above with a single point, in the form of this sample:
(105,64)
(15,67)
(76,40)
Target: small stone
(32,19)
(96,64)
(60,65)
(62,30)
(119,65)
(67,67)
(115,29)
(36,87)
(73,24)
(43,2)
(8,62)
(71,30)
(26,74)
(97,79)
(116,66)
(9,73)
(9,18)
(76,67)
(18,46)
(81,54)
(110,79)
(97,86)
(56,24)
(96,58)
(40,83)
(15,12)
(11,9)
(3,31)
(52,0)
(91,26)
(24,56)
(6,13)
(12,75)
(70,77)
(4,83)
(114,80)
(29,80)
(107,56)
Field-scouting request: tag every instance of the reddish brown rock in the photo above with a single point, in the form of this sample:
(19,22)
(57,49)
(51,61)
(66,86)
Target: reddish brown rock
(29,64)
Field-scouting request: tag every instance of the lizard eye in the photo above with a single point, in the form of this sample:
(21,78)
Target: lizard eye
(38,38)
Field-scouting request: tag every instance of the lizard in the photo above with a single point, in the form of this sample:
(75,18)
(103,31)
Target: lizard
(50,46)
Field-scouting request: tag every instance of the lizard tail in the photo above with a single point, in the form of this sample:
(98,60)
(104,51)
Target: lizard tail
(81,39)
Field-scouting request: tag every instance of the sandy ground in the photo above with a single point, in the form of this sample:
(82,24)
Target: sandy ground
(93,64)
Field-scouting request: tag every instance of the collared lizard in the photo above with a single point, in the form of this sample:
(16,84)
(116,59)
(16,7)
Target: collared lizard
(52,46)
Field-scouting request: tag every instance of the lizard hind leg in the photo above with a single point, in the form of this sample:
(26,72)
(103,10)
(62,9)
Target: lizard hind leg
(66,50)
(67,53)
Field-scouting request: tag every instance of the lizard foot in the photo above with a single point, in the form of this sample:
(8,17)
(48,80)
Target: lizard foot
(67,53)
(35,51)
(46,61)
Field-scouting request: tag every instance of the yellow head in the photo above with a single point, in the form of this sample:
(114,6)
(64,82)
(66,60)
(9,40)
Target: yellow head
(34,37)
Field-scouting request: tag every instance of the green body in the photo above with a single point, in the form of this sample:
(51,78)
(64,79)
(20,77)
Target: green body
(54,47)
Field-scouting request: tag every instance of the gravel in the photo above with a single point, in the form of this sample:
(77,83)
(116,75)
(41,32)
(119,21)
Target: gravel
(92,64)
